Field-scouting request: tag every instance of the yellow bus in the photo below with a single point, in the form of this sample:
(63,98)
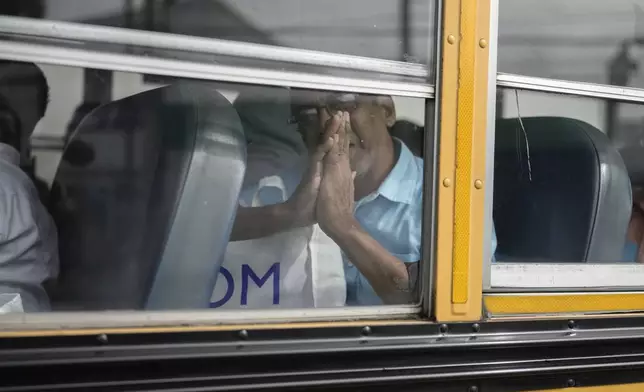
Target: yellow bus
(382,195)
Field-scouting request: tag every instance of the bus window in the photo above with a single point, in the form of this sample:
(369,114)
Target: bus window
(566,203)
(198,195)
(402,30)
(598,42)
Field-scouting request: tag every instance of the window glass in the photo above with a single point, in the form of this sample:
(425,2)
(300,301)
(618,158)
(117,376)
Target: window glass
(196,195)
(568,181)
(588,41)
(394,30)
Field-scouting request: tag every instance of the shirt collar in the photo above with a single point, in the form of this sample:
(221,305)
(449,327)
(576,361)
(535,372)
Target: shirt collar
(9,154)
(400,184)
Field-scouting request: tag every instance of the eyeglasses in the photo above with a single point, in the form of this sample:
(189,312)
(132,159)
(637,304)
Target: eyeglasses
(335,103)
(332,103)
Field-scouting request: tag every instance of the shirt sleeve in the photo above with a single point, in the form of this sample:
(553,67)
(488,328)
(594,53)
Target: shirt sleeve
(25,255)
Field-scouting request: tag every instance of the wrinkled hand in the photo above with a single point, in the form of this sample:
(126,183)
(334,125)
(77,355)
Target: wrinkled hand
(335,200)
(303,201)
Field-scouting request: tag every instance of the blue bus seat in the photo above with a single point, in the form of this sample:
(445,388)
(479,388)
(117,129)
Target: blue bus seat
(571,204)
(146,223)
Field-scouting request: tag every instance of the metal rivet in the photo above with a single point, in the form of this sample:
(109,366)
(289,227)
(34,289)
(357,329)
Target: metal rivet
(476,327)
(451,39)
(473,388)
(571,383)
(243,334)
(478,184)
(482,43)
(366,331)
(572,324)
(443,328)
(447,182)
(102,338)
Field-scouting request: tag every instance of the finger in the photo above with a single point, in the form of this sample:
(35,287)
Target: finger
(342,134)
(353,175)
(335,149)
(331,126)
(323,148)
(317,167)
(323,117)
(347,119)
(327,140)
(330,137)
(331,157)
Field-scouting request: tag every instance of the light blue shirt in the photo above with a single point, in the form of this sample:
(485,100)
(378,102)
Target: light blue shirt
(630,252)
(392,215)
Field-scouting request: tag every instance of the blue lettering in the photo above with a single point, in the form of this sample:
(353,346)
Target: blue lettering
(247,272)
(230,288)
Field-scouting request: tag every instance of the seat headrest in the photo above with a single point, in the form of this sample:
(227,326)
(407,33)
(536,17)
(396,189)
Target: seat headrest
(561,192)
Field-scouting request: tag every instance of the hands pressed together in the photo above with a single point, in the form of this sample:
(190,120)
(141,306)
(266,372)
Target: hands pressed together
(326,193)
(326,196)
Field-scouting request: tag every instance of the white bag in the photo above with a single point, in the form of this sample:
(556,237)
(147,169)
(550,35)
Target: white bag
(11,303)
(301,268)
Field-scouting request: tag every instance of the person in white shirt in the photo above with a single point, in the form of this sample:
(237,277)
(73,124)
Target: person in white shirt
(28,238)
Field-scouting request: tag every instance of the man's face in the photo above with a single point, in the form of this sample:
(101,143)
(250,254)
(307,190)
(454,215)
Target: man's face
(370,118)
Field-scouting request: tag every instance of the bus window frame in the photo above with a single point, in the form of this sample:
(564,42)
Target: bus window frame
(544,349)
(42,51)
(464,169)
(596,288)
(57,30)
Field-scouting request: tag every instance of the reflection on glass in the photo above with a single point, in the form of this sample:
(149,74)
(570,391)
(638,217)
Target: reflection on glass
(587,41)
(562,189)
(394,30)
(226,196)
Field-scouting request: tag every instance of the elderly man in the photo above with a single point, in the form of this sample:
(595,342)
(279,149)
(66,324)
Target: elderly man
(363,188)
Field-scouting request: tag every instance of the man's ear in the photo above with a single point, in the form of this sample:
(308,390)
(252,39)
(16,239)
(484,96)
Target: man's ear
(389,109)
